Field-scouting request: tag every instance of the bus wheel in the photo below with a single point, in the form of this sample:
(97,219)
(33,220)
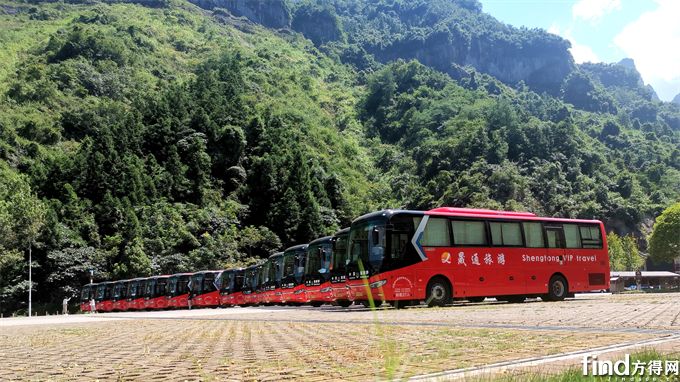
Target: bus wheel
(344,303)
(366,304)
(476,299)
(557,288)
(438,292)
(316,304)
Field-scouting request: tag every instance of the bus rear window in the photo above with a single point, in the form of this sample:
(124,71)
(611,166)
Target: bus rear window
(468,232)
(590,236)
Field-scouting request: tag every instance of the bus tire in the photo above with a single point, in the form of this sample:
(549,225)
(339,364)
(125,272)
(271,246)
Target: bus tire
(558,288)
(476,299)
(438,292)
(344,303)
(316,304)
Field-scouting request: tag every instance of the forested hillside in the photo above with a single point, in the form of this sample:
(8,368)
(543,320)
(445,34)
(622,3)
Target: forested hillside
(155,136)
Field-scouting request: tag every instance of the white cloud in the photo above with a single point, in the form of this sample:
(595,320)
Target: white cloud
(594,10)
(581,53)
(653,41)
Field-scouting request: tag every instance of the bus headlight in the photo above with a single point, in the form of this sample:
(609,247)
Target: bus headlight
(377,284)
(326,290)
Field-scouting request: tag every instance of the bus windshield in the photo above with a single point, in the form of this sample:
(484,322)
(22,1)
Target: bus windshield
(161,287)
(85,294)
(149,288)
(271,277)
(318,260)
(226,281)
(208,283)
(339,262)
(367,244)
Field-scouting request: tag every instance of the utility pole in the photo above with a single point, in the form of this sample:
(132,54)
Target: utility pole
(30,280)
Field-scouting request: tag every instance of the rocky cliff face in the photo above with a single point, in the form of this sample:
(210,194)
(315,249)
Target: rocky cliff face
(542,66)
(270,13)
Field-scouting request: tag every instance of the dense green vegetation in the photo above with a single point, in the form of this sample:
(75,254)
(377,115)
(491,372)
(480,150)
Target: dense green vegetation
(156,137)
(664,242)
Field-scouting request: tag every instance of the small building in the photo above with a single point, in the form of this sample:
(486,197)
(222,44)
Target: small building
(649,280)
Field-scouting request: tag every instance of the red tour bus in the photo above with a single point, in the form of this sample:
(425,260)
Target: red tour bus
(231,282)
(178,290)
(204,289)
(135,294)
(272,284)
(459,253)
(249,284)
(120,303)
(317,276)
(338,270)
(87,294)
(155,293)
(292,287)
(104,297)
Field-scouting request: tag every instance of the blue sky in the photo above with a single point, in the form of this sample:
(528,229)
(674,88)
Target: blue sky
(648,31)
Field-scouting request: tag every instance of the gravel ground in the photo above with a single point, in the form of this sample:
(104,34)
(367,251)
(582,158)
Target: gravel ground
(328,343)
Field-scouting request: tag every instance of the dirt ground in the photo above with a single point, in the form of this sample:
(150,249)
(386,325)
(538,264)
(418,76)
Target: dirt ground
(321,344)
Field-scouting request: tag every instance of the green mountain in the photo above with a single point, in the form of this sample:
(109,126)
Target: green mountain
(158,136)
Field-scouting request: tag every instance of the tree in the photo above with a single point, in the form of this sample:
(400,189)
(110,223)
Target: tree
(23,216)
(616,254)
(664,242)
(632,259)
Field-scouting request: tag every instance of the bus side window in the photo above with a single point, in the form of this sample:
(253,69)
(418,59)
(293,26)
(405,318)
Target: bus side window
(572,236)
(436,233)
(533,235)
(554,237)
(506,234)
(471,233)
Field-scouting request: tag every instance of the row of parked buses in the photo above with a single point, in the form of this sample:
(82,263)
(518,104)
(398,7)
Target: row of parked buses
(395,256)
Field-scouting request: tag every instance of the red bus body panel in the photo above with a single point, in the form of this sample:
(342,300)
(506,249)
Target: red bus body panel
(210,299)
(120,305)
(315,294)
(105,306)
(137,304)
(161,302)
(231,299)
(85,307)
(179,302)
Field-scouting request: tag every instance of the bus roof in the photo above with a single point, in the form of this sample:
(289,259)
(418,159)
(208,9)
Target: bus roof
(344,231)
(321,240)
(483,213)
(277,254)
(205,272)
(385,214)
(297,248)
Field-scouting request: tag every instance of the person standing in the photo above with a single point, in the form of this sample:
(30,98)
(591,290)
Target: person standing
(64,304)
(93,306)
